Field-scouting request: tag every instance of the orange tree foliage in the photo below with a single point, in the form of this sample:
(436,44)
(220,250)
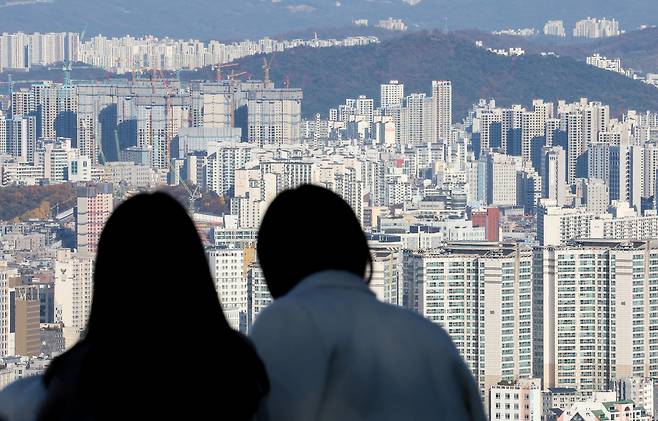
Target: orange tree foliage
(34,201)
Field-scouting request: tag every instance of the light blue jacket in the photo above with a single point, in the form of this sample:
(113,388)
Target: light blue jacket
(21,400)
(333,352)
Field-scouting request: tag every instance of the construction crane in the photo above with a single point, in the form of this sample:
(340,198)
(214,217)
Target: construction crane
(66,68)
(235,75)
(116,144)
(12,83)
(70,65)
(158,76)
(192,195)
(218,69)
(231,79)
(266,70)
(161,76)
(267,66)
(134,71)
(9,82)
(152,84)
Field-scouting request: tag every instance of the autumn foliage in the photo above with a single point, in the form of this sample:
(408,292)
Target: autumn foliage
(34,201)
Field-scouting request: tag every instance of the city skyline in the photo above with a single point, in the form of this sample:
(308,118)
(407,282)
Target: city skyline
(527,230)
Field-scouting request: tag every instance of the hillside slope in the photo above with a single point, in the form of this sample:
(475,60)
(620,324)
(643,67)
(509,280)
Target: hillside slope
(636,49)
(34,201)
(330,75)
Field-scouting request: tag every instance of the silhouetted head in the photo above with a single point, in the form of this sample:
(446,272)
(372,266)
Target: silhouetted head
(307,230)
(152,276)
(156,333)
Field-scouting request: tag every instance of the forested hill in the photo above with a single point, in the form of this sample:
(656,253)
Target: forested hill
(330,75)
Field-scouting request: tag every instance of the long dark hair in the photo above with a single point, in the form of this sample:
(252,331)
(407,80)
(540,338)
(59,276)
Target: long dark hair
(157,343)
(307,230)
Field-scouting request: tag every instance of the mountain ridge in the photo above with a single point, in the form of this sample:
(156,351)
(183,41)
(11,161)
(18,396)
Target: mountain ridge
(330,75)
(209,19)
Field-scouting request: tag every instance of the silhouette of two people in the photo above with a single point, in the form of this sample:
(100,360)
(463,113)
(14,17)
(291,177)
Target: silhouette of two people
(158,346)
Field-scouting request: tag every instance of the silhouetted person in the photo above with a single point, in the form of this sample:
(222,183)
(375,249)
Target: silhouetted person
(157,344)
(331,349)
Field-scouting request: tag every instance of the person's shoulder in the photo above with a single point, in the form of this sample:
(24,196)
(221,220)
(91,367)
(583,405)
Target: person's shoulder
(414,322)
(289,318)
(22,399)
(22,386)
(282,311)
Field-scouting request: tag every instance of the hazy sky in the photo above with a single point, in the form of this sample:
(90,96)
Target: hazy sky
(248,18)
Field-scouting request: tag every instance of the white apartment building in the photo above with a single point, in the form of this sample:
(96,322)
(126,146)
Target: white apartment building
(624,168)
(387,278)
(533,127)
(557,226)
(258,295)
(129,172)
(417,120)
(480,293)
(22,102)
(6,342)
(554,28)
(559,399)
(365,108)
(73,292)
(228,267)
(392,24)
(502,179)
(650,168)
(483,124)
(599,313)
(21,51)
(442,100)
(274,116)
(21,138)
(391,94)
(60,161)
(595,28)
(516,400)
(553,174)
(611,65)
(20,173)
(3,135)
(223,160)
(511,124)
(596,196)
(628,227)
(94,205)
